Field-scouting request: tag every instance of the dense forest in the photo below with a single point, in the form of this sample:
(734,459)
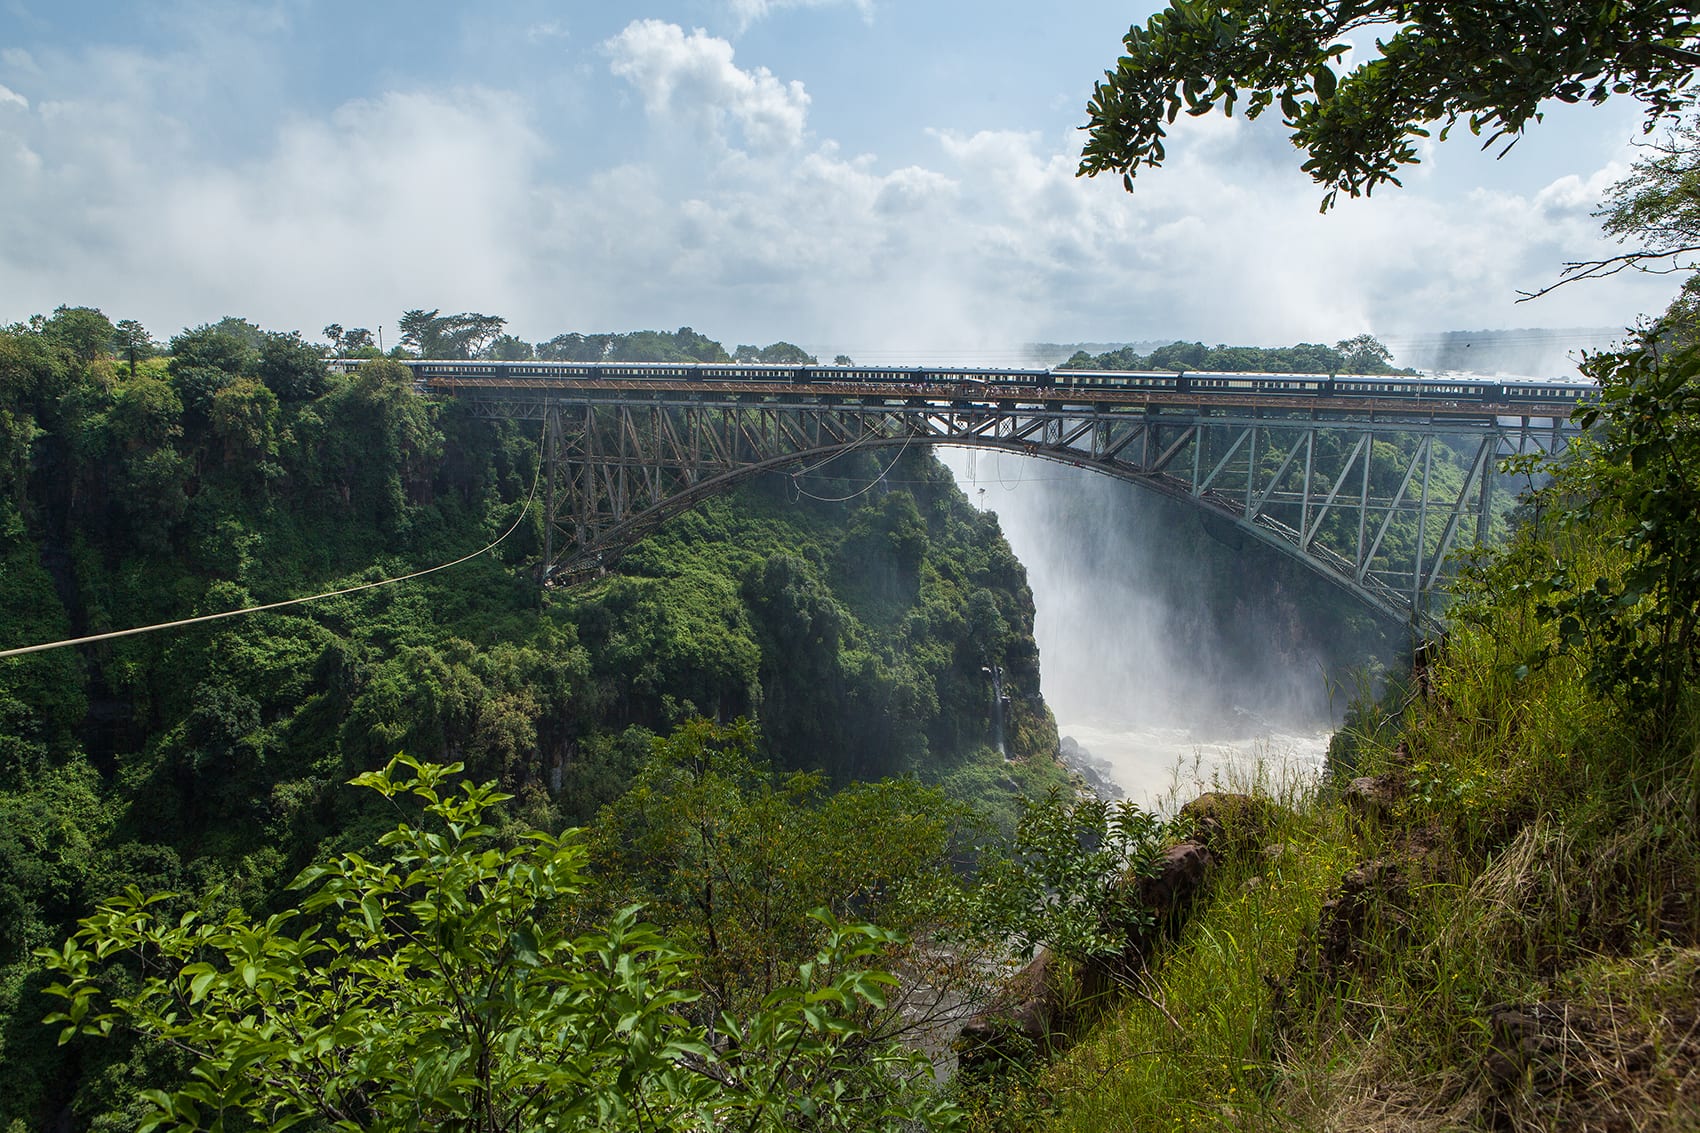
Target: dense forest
(212,760)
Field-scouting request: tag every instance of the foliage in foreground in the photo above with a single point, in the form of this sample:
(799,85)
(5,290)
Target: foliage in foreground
(1489,64)
(437,986)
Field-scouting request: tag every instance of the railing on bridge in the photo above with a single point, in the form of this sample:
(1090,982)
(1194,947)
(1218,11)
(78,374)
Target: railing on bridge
(1372,481)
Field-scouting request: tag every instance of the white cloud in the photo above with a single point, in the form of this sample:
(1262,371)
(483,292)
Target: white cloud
(692,78)
(1572,193)
(734,219)
(10,97)
(404,200)
(748,12)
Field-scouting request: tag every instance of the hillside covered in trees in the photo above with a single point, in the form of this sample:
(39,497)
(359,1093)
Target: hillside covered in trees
(212,760)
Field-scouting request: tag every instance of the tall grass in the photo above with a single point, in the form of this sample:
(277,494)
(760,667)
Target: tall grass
(1525,951)
(1193,1045)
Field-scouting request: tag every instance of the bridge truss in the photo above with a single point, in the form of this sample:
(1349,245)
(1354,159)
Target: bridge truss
(1375,496)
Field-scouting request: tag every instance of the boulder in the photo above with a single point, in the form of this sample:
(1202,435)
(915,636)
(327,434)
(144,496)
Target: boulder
(1374,795)
(1180,875)
(1023,1023)
(1224,820)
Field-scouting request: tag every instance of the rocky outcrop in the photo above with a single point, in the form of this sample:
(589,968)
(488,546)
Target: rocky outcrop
(1044,1003)
(1025,1020)
(1228,822)
(1374,796)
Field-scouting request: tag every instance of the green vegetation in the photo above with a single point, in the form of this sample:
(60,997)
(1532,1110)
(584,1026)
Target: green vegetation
(1487,64)
(441,985)
(1363,354)
(1484,917)
(212,761)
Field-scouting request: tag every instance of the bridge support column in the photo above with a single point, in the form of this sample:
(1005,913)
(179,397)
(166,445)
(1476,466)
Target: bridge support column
(550,457)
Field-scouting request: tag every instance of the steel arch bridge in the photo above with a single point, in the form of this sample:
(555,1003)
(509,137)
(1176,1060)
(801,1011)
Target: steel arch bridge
(1325,482)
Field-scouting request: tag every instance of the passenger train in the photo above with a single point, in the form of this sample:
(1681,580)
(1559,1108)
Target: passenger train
(925,380)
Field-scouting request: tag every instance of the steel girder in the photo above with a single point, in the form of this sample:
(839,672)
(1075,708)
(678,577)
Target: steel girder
(1376,501)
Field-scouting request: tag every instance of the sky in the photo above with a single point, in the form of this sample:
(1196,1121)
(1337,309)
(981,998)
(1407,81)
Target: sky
(892,179)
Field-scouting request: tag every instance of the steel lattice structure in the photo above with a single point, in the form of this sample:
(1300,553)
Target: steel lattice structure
(1320,481)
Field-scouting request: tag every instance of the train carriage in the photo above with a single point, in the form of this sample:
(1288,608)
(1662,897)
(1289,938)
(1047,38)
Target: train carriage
(1542,398)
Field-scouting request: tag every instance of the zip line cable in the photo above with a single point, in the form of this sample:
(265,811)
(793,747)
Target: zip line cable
(91,638)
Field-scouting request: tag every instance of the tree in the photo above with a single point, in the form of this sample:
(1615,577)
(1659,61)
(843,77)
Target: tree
(133,341)
(243,417)
(1068,882)
(507,348)
(357,342)
(84,331)
(1483,62)
(732,859)
(1178,356)
(1640,626)
(291,368)
(777,354)
(438,987)
(1656,208)
(421,330)
(434,335)
(217,348)
(575,347)
(351,343)
(1364,355)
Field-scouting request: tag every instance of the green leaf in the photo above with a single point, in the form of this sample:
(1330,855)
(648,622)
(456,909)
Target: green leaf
(198,986)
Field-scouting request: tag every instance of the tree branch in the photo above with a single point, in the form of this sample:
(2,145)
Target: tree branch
(1611,265)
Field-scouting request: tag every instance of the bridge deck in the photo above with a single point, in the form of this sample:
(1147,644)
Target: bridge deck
(1372,482)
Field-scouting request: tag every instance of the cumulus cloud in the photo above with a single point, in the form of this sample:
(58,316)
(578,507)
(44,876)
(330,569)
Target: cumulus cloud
(693,78)
(739,222)
(403,200)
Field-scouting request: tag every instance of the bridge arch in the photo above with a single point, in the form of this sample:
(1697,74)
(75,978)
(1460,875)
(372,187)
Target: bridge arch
(1374,502)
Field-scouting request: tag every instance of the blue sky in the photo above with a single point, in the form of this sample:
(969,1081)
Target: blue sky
(890,179)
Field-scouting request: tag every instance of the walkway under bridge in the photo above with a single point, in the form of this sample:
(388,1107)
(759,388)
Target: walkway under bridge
(1376,494)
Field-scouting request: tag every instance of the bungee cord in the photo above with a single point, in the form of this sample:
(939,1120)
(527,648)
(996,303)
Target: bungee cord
(796,484)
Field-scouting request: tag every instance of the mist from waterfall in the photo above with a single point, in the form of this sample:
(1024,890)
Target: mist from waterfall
(1158,656)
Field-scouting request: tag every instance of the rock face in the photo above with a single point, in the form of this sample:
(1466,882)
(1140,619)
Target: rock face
(1095,772)
(1036,1013)
(1043,1004)
(1180,875)
(1226,821)
(1026,1019)
(1343,923)
(1373,796)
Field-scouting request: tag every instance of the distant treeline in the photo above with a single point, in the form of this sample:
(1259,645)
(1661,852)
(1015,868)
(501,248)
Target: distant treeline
(1363,354)
(432,334)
